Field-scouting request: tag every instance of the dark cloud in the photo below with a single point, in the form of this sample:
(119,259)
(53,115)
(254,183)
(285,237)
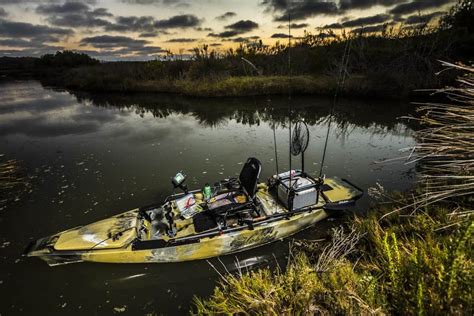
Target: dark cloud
(177,3)
(246,39)
(109,41)
(303,9)
(224,34)
(181,40)
(226,16)
(300,10)
(148,34)
(179,21)
(242,26)
(132,24)
(293,26)
(120,47)
(417,5)
(74,14)
(10,2)
(203,29)
(333,26)
(280,35)
(363,4)
(237,28)
(27,30)
(3,13)
(369,20)
(68,7)
(422,19)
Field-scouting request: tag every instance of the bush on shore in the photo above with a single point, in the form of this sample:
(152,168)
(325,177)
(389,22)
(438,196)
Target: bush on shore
(391,63)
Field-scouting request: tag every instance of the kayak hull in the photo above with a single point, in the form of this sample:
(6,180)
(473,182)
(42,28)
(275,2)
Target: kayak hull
(208,247)
(121,239)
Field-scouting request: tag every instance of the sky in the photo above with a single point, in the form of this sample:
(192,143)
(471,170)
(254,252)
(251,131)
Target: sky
(146,29)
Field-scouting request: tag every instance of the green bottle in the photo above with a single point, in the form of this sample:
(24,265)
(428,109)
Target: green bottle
(207,192)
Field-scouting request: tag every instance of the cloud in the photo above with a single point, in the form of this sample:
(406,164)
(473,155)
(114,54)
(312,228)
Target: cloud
(176,3)
(333,26)
(119,46)
(148,34)
(300,10)
(364,4)
(226,16)
(27,30)
(224,34)
(244,39)
(280,35)
(109,41)
(181,40)
(293,26)
(303,9)
(418,19)
(11,2)
(203,29)
(369,20)
(179,21)
(67,7)
(132,24)
(235,29)
(3,13)
(242,26)
(74,14)
(417,5)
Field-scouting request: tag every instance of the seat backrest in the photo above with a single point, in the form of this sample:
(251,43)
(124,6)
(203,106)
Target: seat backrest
(249,176)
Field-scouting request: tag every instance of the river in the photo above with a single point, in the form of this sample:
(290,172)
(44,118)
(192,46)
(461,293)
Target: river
(90,156)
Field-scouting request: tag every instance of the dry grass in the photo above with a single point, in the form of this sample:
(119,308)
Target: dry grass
(445,147)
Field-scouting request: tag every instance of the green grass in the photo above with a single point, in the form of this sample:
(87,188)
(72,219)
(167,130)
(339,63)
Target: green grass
(356,85)
(404,265)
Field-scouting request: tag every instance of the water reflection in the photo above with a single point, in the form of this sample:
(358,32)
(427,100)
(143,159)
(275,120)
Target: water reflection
(94,155)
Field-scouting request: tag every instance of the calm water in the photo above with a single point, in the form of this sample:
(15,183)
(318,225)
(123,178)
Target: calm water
(92,156)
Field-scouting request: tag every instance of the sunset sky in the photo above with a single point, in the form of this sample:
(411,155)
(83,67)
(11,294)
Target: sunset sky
(143,29)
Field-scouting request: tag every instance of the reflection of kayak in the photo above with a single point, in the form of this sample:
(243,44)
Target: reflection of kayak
(242,214)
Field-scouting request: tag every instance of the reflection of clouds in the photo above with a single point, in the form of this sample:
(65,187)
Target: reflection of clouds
(26,108)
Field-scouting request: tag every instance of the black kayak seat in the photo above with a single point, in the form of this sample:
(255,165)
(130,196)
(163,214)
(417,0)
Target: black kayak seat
(248,180)
(249,176)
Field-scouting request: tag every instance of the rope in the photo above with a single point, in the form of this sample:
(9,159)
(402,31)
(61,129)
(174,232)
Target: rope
(340,84)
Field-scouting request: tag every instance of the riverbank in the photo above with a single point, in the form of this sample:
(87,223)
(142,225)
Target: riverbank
(412,254)
(322,85)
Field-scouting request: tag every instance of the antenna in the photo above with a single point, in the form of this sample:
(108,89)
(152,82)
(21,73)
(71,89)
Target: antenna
(288,9)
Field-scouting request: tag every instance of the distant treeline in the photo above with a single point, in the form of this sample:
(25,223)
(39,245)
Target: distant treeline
(390,63)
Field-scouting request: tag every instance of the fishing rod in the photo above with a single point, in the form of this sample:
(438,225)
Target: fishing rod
(341,81)
(260,73)
(288,9)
